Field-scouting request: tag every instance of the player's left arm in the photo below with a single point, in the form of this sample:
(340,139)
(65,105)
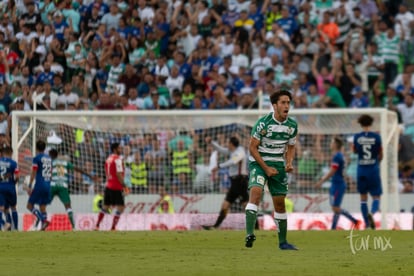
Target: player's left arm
(380,150)
(33,174)
(32,177)
(290,154)
(16,175)
(120,171)
(380,154)
(290,151)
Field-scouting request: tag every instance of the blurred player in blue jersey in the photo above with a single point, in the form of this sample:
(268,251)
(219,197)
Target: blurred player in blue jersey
(338,184)
(368,146)
(9,174)
(40,193)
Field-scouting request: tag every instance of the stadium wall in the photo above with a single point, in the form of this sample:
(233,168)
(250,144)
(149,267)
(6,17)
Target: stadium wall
(312,212)
(184,222)
(210,203)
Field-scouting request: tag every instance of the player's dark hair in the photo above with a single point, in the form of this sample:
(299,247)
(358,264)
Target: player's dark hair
(234,141)
(274,98)
(338,142)
(53,153)
(114,146)
(40,145)
(365,120)
(7,150)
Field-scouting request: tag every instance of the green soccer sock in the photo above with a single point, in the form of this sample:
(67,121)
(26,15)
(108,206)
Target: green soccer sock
(251,216)
(70,215)
(281,223)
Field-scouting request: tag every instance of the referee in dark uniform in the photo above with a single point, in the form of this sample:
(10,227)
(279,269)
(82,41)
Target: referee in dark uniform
(237,164)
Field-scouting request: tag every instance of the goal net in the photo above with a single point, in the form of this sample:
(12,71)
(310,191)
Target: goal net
(166,151)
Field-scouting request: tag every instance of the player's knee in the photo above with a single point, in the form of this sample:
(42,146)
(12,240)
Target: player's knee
(280,209)
(336,209)
(225,205)
(255,195)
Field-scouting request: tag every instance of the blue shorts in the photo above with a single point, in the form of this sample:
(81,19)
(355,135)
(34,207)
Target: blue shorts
(8,196)
(369,183)
(336,194)
(40,196)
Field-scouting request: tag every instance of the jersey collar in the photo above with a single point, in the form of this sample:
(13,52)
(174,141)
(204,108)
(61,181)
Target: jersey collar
(274,118)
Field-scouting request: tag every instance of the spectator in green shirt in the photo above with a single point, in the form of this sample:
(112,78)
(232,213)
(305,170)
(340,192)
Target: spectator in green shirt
(332,98)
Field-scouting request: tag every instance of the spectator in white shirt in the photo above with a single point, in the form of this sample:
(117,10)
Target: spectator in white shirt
(111,19)
(68,97)
(406,109)
(6,27)
(405,17)
(227,45)
(201,12)
(400,77)
(134,99)
(238,59)
(26,35)
(277,31)
(175,80)
(161,69)
(45,99)
(404,30)
(146,13)
(262,62)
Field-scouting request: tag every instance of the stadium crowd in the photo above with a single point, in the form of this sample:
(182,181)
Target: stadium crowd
(217,54)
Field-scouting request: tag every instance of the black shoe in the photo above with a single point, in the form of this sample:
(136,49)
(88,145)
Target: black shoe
(371,221)
(249,240)
(287,246)
(45,224)
(208,227)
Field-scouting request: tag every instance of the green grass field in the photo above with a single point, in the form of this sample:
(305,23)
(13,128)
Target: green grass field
(205,253)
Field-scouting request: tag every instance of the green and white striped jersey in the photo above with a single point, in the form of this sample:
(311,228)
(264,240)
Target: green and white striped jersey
(60,172)
(377,59)
(113,76)
(344,25)
(274,137)
(388,47)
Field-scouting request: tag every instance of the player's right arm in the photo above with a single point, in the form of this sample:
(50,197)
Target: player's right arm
(258,131)
(32,176)
(326,177)
(220,148)
(254,152)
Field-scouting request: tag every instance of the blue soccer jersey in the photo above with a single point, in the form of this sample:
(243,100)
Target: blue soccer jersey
(8,174)
(338,162)
(338,185)
(368,147)
(42,164)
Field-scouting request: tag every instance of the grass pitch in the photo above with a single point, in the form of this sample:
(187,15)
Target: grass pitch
(206,253)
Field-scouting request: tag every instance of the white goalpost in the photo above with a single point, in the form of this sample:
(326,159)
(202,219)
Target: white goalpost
(150,139)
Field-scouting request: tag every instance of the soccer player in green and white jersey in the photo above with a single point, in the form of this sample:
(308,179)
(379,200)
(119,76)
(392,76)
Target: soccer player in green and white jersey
(60,178)
(272,149)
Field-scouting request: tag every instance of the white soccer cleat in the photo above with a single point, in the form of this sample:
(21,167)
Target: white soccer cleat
(6,227)
(35,227)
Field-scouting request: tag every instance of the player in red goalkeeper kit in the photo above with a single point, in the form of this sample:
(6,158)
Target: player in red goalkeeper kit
(115,186)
